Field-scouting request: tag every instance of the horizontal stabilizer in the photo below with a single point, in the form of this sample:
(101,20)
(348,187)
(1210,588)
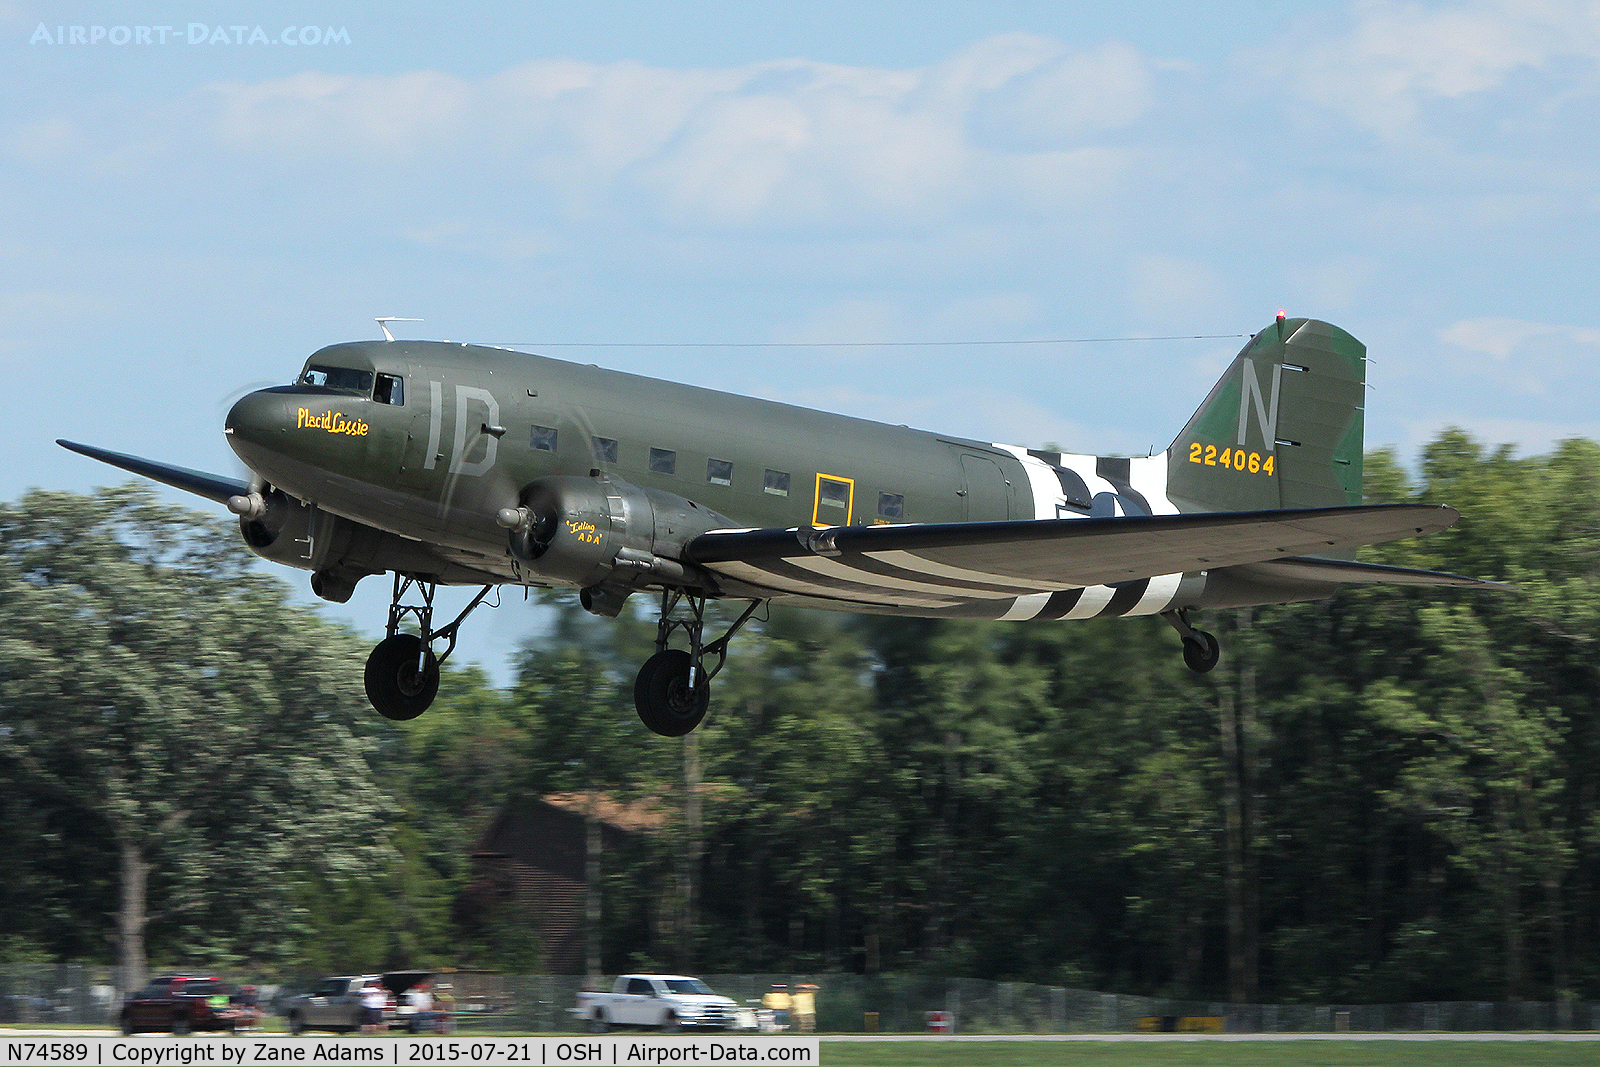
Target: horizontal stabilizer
(211,486)
(1349,572)
(1050,554)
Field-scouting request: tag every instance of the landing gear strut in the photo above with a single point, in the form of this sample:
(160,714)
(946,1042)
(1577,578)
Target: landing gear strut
(673,689)
(403,673)
(1200,649)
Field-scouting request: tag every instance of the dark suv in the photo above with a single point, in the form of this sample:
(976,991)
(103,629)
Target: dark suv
(180,1004)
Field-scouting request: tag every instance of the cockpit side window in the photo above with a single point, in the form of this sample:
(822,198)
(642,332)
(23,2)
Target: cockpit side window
(338,380)
(391,389)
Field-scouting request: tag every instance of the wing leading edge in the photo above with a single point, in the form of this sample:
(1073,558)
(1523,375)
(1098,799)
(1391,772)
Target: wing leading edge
(1000,560)
(211,486)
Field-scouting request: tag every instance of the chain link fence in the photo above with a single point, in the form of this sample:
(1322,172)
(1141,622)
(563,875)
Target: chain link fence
(71,994)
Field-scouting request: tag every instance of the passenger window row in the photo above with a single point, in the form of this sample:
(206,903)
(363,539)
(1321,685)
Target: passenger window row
(718,471)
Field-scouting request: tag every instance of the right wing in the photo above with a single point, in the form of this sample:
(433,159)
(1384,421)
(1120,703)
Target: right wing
(940,562)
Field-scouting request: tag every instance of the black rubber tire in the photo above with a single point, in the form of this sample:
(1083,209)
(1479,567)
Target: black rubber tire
(128,1029)
(393,683)
(297,1024)
(661,694)
(598,1024)
(1202,652)
(181,1026)
(670,1024)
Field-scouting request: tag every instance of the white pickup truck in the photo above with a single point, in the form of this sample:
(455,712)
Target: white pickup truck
(668,1001)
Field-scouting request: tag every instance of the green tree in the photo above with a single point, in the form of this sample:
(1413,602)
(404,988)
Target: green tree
(154,686)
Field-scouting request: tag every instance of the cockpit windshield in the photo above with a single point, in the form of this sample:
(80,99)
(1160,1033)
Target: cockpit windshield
(338,380)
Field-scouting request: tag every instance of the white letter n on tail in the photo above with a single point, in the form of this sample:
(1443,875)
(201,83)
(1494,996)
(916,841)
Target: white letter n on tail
(1266,414)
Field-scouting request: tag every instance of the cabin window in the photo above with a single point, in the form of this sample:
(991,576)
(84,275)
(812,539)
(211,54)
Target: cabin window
(891,506)
(391,389)
(605,450)
(776,483)
(719,472)
(640,987)
(338,380)
(832,493)
(663,461)
(543,439)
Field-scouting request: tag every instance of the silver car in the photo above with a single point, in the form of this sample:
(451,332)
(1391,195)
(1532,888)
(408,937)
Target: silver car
(335,1004)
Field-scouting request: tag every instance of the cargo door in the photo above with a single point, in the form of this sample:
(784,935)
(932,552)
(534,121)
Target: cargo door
(984,491)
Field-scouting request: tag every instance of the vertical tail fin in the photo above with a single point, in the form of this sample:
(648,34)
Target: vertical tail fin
(1281,429)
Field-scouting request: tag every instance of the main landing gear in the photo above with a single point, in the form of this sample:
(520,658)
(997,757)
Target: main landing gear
(1200,649)
(403,672)
(673,689)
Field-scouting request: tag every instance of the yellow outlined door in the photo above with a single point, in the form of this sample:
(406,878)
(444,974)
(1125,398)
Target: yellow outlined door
(835,501)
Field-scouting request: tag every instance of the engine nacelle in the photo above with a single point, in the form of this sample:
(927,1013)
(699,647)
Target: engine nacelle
(602,532)
(338,552)
(279,528)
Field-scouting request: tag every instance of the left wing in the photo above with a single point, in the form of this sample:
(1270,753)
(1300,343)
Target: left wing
(994,560)
(211,486)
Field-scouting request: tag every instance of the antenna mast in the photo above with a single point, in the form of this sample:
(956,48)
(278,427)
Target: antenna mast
(383,322)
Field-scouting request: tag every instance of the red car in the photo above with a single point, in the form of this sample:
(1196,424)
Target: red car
(180,1004)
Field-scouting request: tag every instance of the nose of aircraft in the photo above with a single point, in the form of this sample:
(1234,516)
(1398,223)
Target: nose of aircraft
(257,426)
(258,417)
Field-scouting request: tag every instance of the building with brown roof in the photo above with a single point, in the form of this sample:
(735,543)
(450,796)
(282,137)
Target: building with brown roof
(535,854)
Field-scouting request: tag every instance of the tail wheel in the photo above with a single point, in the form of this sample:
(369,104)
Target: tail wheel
(1201,651)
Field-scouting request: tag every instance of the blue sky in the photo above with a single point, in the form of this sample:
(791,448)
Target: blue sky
(186,220)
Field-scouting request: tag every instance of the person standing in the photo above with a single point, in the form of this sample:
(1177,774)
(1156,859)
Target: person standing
(420,1001)
(779,1003)
(804,1006)
(444,1006)
(373,1001)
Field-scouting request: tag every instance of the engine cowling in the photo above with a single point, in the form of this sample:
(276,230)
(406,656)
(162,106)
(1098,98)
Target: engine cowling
(605,536)
(337,551)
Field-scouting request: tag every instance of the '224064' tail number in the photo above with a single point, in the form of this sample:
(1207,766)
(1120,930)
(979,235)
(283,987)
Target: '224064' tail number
(1232,458)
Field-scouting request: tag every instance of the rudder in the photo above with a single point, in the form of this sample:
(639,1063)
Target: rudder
(1283,428)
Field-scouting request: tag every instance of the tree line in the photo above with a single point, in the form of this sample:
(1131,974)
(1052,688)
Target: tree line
(1385,796)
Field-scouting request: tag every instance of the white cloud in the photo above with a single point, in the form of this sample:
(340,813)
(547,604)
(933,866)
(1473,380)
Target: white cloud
(772,144)
(1503,338)
(1534,359)
(1052,103)
(1398,56)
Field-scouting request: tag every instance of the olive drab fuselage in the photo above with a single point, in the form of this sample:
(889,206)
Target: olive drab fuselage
(449,463)
(476,426)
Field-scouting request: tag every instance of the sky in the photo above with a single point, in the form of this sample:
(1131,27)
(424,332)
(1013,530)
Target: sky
(197,196)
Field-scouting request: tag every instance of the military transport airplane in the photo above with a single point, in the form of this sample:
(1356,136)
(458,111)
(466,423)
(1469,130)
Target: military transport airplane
(457,464)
